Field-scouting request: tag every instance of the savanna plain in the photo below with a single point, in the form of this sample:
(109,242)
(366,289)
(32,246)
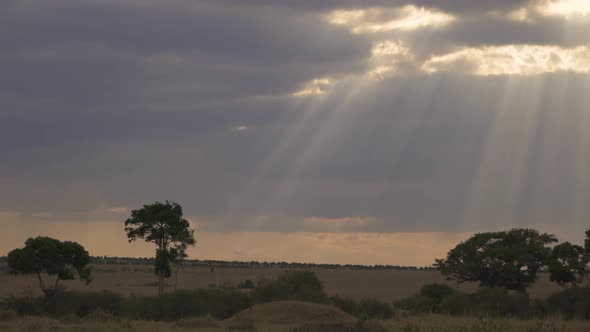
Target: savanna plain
(384,286)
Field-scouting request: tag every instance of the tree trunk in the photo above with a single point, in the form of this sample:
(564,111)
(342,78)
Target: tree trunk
(42,285)
(160,283)
(176,281)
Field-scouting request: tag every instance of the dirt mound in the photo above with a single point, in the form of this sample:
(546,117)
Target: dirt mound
(292,312)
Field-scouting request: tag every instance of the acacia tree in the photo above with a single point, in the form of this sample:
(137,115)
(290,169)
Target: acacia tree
(53,257)
(162,224)
(569,264)
(509,259)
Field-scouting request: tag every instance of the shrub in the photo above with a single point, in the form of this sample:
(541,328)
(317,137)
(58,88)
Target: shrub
(437,292)
(375,309)
(499,302)
(487,301)
(292,285)
(61,304)
(456,304)
(345,304)
(418,304)
(220,303)
(246,284)
(369,308)
(571,303)
(429,299)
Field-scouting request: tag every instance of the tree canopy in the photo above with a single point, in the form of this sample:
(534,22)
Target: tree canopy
(509,259)
(162,224)
(53,257)
(569,264)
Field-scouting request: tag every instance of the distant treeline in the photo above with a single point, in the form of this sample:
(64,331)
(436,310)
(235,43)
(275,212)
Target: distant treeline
(254,264)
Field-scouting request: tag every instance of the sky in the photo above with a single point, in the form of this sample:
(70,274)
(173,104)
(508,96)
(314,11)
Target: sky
(334,131)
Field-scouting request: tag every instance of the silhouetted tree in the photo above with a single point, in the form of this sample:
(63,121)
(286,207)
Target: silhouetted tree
(162,224)
(569,264)
(53,257)
(509,259)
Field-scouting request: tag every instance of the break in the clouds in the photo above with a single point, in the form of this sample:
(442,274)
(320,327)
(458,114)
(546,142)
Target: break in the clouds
(297,116)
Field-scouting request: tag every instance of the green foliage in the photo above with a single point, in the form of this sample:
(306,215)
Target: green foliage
(569,264)
(429,299)
(246,284)
(509,259)
(292,285)
(487,301)
(366,308)
(51,256)
(345,304)
(437,292)
(375,309)
(571,303)
(499,302)
(162,224)
(457,304)
(62,304)
(220,303)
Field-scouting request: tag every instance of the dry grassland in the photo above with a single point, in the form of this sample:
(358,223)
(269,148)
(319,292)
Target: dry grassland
(385,285)
(429,323)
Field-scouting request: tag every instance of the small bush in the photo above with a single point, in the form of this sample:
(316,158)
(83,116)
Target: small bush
(456,304)
(345,304)
(375,309)
(220,303)
(495,302)
(437,292)
(571,303)
(292,285)
(369,308)
(246,284)
(499,302)
(418,304)
(65,303)
(429,299)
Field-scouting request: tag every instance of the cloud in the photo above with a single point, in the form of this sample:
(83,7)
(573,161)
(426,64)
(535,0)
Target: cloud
(293,116)
(379,19)
(512,60)
(567,8)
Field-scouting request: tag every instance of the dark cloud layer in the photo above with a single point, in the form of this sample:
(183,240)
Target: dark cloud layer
(117,103)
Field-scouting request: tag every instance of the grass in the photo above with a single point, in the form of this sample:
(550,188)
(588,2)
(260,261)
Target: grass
(427,323)
(371,315)
(383,285)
